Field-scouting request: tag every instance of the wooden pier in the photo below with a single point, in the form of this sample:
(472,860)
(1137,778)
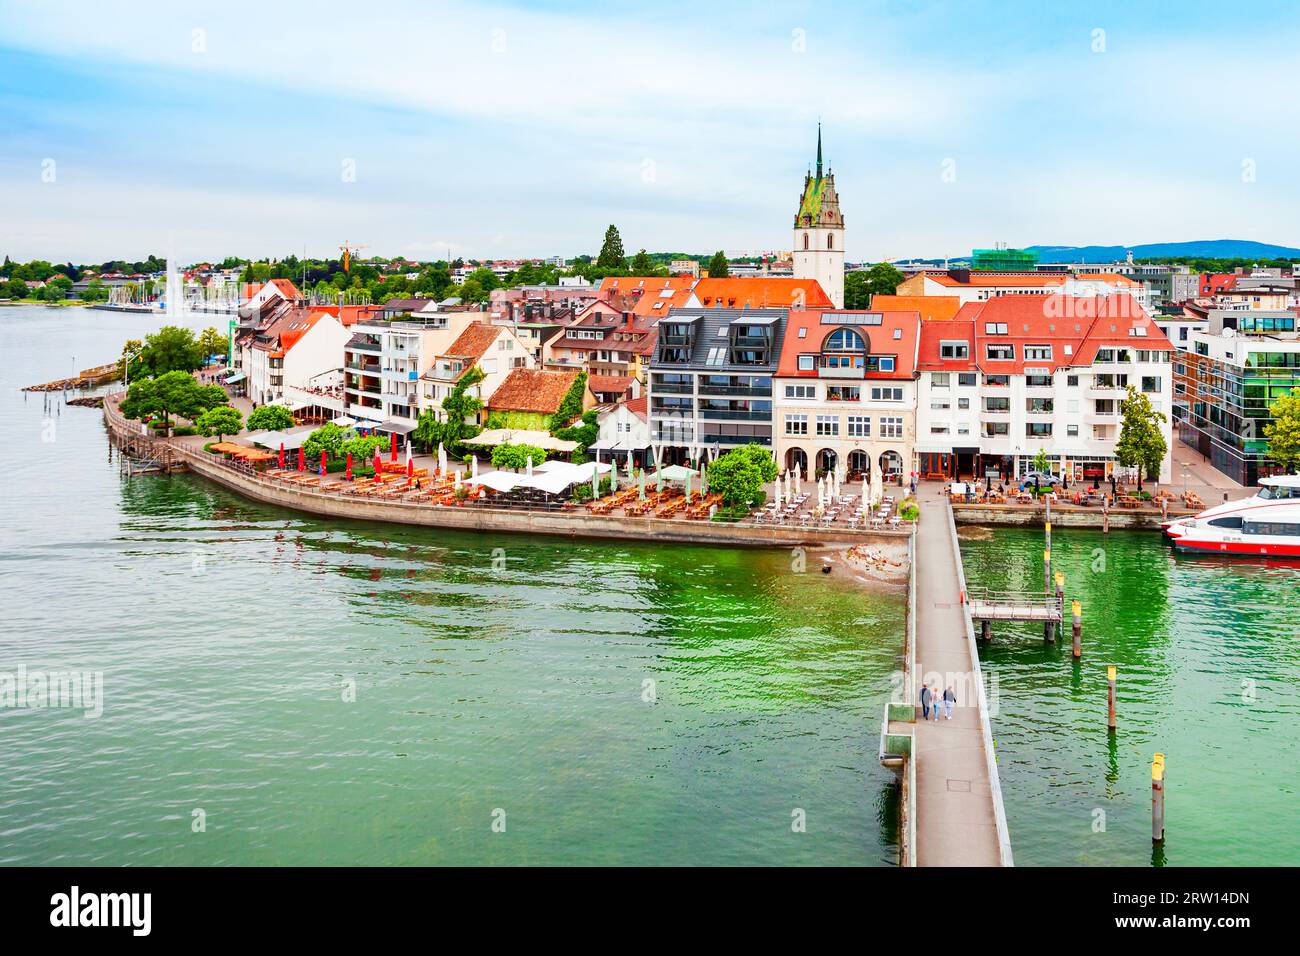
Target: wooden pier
(986,605)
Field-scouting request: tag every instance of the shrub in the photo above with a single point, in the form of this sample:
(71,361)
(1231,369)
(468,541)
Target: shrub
(910,511)
(184,431)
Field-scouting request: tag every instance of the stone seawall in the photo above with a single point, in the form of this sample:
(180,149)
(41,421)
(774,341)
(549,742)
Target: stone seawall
(1063,516)
(479,518)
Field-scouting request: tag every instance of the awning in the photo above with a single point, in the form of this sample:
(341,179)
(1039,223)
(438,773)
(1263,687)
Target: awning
(396,428)
(368,425)
(933,448)
(344,421)
(237,377)
(519,436)
(276,439)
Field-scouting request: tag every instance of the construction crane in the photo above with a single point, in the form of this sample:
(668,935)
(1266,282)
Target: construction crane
(347,254)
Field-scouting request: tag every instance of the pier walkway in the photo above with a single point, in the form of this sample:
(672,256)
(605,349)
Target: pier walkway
(959,815)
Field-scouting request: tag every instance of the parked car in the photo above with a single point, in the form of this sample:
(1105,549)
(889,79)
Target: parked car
(1045,480)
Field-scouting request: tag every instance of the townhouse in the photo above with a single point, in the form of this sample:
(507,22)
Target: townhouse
(1016,375)
(845,393)
(299,350)
(494,349)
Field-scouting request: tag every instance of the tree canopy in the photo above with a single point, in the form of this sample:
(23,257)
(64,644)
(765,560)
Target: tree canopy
(170,349)
(221,421)
(859,287)
(516,457)
(329,438)
(740,474)
(172,393)
(1283,433)
(718,265)
(270,418)
(1141,443)
(611,251)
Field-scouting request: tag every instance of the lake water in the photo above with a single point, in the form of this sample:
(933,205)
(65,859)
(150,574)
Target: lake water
(346,693)
(1208,651)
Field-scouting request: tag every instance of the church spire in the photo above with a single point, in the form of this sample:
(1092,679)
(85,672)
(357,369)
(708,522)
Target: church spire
(819,150)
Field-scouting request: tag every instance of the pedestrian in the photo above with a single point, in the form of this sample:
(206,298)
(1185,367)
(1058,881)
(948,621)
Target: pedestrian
(934,708)
(926,697)
(949,700)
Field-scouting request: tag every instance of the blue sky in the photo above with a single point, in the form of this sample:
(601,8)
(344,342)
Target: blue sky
(508,130)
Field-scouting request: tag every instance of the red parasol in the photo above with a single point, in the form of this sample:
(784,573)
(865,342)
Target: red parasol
(393,446)
(302,461)
(379,464)
(347,472)
(322,462)
(281,455)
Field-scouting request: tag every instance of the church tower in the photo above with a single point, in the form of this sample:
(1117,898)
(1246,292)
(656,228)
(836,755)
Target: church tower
(819,232)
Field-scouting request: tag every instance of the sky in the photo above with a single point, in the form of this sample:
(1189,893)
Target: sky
(492,130)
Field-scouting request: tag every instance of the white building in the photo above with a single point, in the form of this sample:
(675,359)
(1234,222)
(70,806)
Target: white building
(495,349)
(819,232)
(1023,374)
(300,349)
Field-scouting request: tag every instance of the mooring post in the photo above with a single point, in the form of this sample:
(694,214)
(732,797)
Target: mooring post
(1105,514)
(986,630)
(1076,610)
(1158,798)
(1110,697)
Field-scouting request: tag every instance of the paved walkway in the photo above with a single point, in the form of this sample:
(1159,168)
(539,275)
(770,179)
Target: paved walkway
(954,802)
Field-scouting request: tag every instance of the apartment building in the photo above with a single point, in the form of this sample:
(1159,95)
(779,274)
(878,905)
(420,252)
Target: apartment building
(972,286)
(300,349)
(384,361)
(1225,379)
(845,393)
(711,377)
(1017,375)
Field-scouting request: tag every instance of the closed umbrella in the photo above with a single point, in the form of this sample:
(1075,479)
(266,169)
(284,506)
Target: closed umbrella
(865,493)
(473,467)
(410,464)
(392,444)
(529,471)
(798,473)
(302,460)
(379,463)
(659,479)
(322,461)
(457,484)
(281,464)
(640,486)
(778,492)
(595,484)
(347,471)
(688,488)
(704,480)
(442,460)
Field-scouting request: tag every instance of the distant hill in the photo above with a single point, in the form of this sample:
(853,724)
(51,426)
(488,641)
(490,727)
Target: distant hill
(1201,249)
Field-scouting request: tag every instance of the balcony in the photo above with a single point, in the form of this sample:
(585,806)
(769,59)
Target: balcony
(370,368)
(718,414)
(736,439)
(826,371)
(738,391)
(659,389)
(673,436)
(363,347)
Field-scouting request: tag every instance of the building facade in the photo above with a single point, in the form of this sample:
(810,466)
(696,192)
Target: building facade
(845,394)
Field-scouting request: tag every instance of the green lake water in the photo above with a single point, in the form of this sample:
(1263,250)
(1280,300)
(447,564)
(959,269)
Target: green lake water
(626,703)
(1208,651)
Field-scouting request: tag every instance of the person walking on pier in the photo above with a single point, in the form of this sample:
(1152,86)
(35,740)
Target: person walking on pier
(949,699)
(926,699)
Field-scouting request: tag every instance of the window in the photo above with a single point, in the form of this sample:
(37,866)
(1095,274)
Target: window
(1038,406)
(891,427)
(1072,381)
(941,404)
(1038,353)
(796,424)
(830,241)
(997,404)
(954,350)
(938,429)
(1038,381)
(801,391)
(1150,383)
(828,426)
(963,404)
(844,340)
(996,429)
(1000,353)
(1072,431)
(995,328)
(1038,430)
(859,426)
(806,363)
(886,394)
(967,378)
(939,380)
(805,240)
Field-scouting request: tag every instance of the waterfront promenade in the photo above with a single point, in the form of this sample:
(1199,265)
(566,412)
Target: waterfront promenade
(959,817)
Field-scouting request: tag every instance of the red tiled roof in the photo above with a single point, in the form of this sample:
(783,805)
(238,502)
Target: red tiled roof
(881,340)
(762,292)
(932,307)
(610,383)
(640,407)
(533,390)
(474,341)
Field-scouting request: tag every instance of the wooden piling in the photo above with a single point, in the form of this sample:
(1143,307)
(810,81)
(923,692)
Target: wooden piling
(1076,611)
(1110,697)
(1158,798)
(986,631)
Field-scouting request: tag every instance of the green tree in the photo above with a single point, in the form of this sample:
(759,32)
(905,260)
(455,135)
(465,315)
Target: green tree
(1283,433)
(1141,443)
(1040,461)
(460,412)
(173,393)
(16,289)
(611,256)
(428,430)
(859,287)
(362,448)
(570,408)
(95,291)
(641,264)
(270,418)
(212,342)
(740,474)
(329,438)
(170,349)
(718,265)
(516,457)
(584,434)
(220,421)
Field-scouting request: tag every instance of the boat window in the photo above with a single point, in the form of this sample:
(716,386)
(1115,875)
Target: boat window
(1234,522)
(1271,527)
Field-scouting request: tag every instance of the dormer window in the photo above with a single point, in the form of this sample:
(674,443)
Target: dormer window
(844,348)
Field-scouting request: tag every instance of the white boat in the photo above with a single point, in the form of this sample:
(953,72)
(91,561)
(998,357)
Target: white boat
(1267,524)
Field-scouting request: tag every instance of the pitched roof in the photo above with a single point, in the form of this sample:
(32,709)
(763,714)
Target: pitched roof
(640,407)
(642,285)
(806,331)
(474,341)
(985,280)
(533,390)
(762,292)
(959,329)
(933,308)
(610,383)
